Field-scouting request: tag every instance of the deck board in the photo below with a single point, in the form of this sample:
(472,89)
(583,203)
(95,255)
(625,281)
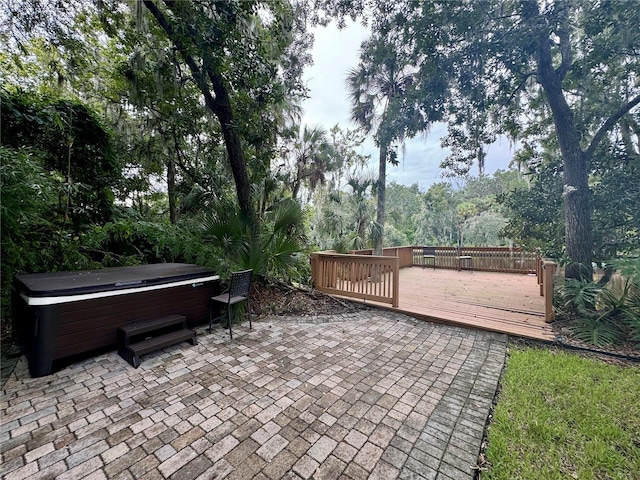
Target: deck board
(500,302)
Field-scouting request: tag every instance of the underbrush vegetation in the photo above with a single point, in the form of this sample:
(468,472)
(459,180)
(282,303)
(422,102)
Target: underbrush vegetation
(606,312)
(563,416)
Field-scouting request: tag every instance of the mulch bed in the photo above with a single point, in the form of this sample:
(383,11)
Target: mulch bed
(284,300)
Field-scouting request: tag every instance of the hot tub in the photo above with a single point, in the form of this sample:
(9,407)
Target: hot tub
(64,314)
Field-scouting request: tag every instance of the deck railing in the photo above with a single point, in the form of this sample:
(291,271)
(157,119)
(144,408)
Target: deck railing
(367,277)
(404,254)
(363,275)
(486,259)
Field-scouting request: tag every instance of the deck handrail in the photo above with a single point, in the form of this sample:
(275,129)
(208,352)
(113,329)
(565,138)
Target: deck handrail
(366,277)
(486,259)
(404,254)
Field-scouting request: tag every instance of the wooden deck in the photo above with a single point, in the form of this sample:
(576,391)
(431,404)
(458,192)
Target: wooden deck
(500,302)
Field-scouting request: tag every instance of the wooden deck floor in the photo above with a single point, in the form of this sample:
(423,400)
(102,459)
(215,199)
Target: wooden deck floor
(500,302)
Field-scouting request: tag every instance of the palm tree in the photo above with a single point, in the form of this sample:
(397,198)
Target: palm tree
(382,94)
(361,214)
(311,156)
(346,221)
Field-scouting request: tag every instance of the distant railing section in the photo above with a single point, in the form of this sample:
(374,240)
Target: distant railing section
(366,277)
(545,270)
(487,259)
(404,254)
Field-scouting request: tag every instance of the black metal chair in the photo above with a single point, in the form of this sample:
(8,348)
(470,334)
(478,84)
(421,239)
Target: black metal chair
(466,259)
(238,292)
(429,253)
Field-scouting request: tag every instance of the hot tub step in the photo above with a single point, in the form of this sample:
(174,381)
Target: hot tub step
(149,325)
(146,336)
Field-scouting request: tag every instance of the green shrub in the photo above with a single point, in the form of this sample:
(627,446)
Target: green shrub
(605,314)
(277,250)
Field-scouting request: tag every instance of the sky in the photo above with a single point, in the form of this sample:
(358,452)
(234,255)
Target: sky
(334,53)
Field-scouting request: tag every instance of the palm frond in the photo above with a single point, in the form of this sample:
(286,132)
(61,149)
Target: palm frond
(580,294)
(286,214)
(631,315)
(596,332)
(375,232)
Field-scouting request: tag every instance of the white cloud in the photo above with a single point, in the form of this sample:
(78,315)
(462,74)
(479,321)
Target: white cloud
(334,53)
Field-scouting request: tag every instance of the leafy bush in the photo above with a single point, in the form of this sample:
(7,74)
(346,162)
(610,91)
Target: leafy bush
(605,314)
(597,331)
(632,317)
(277,250)
(580,295)
(72,141)
(32,237)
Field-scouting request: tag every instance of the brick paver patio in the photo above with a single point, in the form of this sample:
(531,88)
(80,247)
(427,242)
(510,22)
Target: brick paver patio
(364,395)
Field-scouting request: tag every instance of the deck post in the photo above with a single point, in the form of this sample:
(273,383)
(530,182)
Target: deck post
(314,268)
(548,270)
(396,283)
(539,275)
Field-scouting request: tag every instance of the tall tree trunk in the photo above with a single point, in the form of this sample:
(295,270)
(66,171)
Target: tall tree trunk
(296,183)
(380,213)
(578,243)
(576,187)
(171,189)
(382,194)
(578,240)
(224,113)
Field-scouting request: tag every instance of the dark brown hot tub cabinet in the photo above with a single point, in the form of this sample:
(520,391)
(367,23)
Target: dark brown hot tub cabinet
(63,314)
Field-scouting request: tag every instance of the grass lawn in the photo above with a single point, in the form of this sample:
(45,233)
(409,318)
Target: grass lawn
(561,416)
